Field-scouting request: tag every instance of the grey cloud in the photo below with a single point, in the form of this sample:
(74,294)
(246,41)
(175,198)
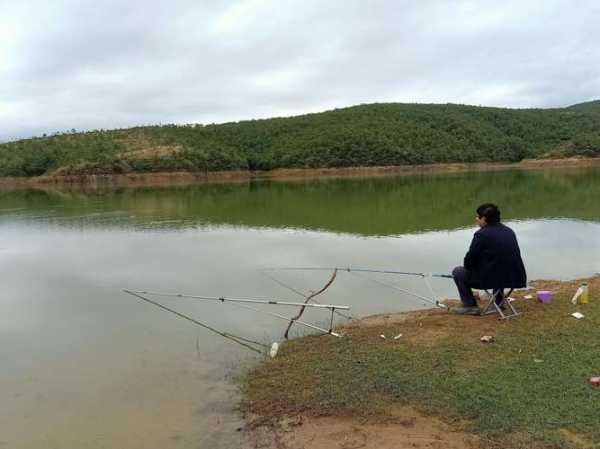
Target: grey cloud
(85,65)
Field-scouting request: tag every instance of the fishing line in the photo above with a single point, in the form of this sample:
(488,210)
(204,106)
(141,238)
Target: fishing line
(392,286)
(298,292)
(356,271)
(430,287)
(277,281)
(289,320)
(364,270)
(239,340)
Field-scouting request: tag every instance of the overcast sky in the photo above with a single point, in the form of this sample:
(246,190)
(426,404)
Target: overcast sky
(106,63)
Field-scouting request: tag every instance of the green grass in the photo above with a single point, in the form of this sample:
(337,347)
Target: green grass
(524,390)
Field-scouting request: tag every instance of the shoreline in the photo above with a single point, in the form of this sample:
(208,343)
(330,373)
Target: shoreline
(437,385)
(165,179)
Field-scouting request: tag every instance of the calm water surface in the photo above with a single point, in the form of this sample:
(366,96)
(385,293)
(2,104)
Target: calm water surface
(86,366)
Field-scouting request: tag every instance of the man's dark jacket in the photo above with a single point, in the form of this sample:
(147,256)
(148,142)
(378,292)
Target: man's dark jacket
(494,259)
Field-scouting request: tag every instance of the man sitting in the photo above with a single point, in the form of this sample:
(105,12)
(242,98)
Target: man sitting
(492,262)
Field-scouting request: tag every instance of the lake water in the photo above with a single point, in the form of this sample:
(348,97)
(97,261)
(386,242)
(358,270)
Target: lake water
(86,366)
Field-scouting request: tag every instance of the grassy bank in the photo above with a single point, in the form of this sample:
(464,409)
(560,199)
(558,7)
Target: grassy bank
(527,389)
(390,134)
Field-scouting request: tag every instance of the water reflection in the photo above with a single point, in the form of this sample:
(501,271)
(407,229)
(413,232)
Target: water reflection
(88,366)
(377,206)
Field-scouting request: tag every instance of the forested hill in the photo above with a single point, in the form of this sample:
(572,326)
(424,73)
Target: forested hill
(587,106)
(365,135)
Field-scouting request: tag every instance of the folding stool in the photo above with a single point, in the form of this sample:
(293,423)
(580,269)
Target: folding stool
(504,307)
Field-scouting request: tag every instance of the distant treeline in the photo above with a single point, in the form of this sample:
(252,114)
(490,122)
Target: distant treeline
(365,135)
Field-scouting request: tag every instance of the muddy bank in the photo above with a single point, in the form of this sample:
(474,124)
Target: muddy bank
(406,429)
(187,178)
(437,385)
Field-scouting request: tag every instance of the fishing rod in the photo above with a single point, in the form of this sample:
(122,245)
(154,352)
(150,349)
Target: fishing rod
(238,303)
(247,300)
(239,340)
(300,293)
(360,270)
(294,320)
(434,301)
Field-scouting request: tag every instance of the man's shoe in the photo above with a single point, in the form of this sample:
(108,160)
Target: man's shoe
(474,310)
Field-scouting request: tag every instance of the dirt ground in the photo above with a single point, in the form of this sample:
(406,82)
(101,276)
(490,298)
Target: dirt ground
(187,178)
(407,428)
(410,430)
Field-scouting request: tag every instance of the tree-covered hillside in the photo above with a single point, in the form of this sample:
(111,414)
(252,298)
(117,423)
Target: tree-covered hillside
(365,135)
(587,106)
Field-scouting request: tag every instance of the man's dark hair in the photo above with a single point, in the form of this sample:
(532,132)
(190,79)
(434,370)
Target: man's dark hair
(490,212)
